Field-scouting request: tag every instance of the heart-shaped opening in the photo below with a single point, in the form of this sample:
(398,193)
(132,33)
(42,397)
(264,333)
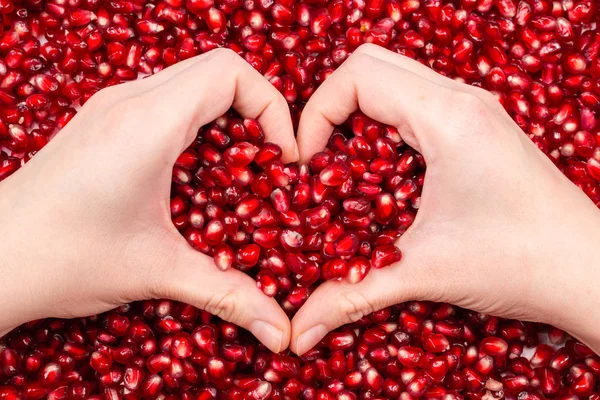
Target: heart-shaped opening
(293,226)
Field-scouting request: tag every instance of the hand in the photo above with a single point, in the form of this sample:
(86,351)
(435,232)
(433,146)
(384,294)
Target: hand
(499,230)
(87,224)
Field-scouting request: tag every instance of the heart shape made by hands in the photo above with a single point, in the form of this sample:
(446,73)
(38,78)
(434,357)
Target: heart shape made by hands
(293,226)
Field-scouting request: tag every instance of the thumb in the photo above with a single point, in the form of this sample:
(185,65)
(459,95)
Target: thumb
(231,295)
(336,303)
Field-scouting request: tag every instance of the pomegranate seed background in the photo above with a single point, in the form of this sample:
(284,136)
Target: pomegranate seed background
(539,57)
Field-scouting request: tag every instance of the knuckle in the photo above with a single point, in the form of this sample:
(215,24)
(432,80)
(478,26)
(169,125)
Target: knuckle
(473,102)
(103,97)
(133,107)
(353,306)
(153,282)
(357,63)
(279,102)
(366,48)
(222,304)
(488,97)
(469,114)
(360,58)
(223,54)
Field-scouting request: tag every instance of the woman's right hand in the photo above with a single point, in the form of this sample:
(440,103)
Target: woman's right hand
(499,230)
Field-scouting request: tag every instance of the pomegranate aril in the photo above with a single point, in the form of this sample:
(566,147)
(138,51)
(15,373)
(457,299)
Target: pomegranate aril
(248,207)
(181,346)
(151,386)
(542,356)
(385,255)
(339,340)
(494,346)
(240,154)
(268,153)
(101,362)
(291,240)
(335,269)
(248,255)
(205,338)
(410,356)
(335,174)
(435,343)
(276,173)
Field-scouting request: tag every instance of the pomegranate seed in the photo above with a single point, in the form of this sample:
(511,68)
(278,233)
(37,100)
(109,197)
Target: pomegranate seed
(494,346)
(334,174)
(101,362)
(240,155)
(223,257)
(248,255)
(435,343)
(358,268)
(410,356)
(385,255)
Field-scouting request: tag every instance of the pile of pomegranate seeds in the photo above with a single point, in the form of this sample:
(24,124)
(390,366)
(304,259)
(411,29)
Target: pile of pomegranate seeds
(167,350)
(335,218)
(292,226)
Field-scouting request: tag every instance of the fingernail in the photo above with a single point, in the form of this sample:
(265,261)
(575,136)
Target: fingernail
(309,338)
(268,334)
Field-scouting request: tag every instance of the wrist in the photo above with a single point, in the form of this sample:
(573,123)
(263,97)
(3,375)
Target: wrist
(17,293)
(575,287)
(581,318)
(15,308)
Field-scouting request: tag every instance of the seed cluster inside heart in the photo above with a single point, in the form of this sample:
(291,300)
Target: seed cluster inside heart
(292,226)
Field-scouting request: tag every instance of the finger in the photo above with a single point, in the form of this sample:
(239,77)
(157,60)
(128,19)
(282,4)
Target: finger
(140,86)
(389,88)
(383,91)
(207,88)
(418,276)
(334,304)
(231,295)
(413,66)
(417,68)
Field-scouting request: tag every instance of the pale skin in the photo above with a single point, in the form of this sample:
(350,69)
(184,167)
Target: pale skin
(500,230)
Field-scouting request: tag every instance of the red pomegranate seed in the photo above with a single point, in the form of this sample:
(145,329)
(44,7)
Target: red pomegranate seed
(248,255)
(494,346)
(334,174)
(291,240)
(158,362)
(223,257)
(385,255)
(410,356)
(101,362)
(335,269)
(152,385)
(435,343)
(204,337)
(181,346)
(240,155)
(542,356)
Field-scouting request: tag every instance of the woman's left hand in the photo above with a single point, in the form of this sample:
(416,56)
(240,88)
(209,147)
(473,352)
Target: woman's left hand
(86,223)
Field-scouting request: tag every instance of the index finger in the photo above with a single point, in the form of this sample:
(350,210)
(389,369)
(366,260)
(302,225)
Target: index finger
(402,97)
(219,80)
